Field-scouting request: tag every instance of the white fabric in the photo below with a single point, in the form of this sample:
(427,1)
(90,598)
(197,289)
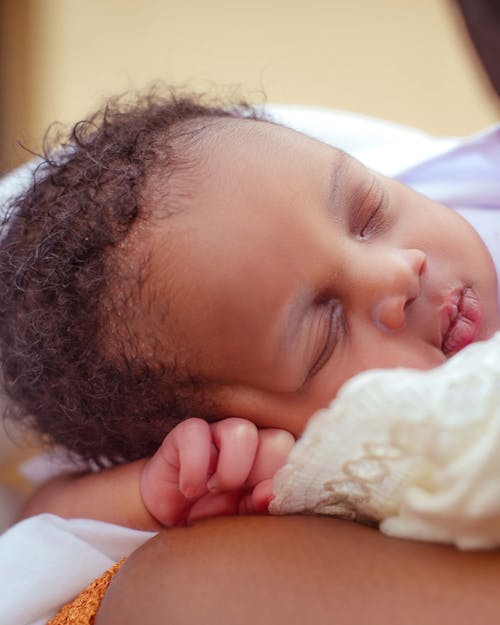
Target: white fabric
(417,450)
(45,561)
(14,182)
(381,145)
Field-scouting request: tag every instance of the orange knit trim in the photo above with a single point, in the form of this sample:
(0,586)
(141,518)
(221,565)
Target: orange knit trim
(83,609)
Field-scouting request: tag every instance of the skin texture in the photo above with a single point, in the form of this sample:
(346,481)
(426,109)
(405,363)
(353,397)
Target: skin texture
(296,570)
(204,470)
(292,267)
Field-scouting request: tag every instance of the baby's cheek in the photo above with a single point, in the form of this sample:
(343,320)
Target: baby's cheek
(387,353)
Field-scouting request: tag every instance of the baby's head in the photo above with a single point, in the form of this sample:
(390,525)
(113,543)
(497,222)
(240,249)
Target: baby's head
(74,274)
(199,261)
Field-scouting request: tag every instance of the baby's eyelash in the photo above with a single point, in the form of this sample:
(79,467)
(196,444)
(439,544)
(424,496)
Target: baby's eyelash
(334,327)
(370,215)
(373,222)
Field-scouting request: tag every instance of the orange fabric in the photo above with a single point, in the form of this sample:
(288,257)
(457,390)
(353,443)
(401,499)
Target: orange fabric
(83,609)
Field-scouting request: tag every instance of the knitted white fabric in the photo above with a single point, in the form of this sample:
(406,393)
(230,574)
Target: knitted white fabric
(416,451)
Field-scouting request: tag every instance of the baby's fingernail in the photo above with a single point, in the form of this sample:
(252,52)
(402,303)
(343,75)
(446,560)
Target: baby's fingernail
(213,484)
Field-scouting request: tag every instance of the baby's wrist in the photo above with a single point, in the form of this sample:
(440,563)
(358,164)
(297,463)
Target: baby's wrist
(144,489)
(140,514)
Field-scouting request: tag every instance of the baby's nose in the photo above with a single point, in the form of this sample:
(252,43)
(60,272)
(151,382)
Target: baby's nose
(400,287)
(389,312)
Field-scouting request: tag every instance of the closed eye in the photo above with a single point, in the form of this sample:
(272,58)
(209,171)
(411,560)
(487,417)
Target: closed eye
(370,216)
(333,310)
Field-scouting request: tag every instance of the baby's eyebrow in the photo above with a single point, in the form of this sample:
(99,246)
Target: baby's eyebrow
(340,166)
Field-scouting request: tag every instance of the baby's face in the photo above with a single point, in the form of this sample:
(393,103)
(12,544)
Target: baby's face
(293,267)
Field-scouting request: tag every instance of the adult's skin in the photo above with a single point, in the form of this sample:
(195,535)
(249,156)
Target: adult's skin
(296,570)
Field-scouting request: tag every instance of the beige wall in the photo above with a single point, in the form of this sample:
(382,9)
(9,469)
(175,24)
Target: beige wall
(404,60)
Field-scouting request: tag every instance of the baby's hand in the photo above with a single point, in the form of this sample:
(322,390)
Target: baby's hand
(211,469)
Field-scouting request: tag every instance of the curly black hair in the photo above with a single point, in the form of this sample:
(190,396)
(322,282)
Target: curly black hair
(61,274)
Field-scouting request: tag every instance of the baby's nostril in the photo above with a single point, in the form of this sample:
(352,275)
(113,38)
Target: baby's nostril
(409,302)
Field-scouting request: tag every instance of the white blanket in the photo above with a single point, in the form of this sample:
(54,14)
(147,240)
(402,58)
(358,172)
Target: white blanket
(417,451)
(45,561)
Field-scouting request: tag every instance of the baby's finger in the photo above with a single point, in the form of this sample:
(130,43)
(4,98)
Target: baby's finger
(193,443)
(274,447)
(237,441)
(257,502)
(214,504)
(262,495)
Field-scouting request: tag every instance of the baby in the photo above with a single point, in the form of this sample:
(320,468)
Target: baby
(190,260)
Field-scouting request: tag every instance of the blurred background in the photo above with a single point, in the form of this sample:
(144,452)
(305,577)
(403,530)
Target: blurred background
(407,61)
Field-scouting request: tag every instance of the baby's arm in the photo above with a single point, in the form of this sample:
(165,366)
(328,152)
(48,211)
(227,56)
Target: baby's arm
(200,470)
(112,495)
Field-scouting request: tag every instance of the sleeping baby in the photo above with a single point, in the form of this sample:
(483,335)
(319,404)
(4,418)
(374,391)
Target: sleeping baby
(186,259)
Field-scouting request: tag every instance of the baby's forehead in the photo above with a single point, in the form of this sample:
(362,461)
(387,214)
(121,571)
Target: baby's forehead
(227,141)
(236,156)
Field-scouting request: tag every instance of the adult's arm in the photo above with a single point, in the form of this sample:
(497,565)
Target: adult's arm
(296,570)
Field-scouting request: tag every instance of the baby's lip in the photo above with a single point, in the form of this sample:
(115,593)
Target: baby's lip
(449,310)
(460,320)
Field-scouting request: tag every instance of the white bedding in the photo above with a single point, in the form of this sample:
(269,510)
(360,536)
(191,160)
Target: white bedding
(45,561)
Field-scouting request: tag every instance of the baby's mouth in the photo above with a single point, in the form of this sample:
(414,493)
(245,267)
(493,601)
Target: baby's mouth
(461,318)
